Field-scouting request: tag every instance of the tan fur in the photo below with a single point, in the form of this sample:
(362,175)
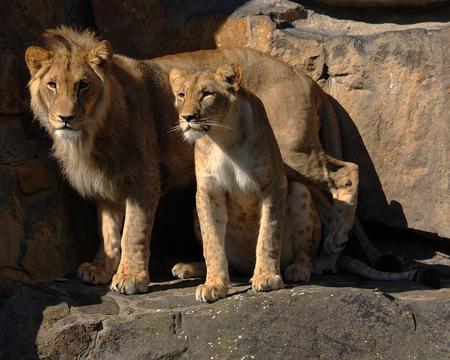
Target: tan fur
(241,187)
(120,151)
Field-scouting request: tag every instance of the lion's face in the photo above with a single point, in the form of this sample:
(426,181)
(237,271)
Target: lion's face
(204,99)
(66,86)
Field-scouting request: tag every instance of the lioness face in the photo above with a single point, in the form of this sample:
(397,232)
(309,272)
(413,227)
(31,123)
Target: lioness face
(66,86)
(204,99)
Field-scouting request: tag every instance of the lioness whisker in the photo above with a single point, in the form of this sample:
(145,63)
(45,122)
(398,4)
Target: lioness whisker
(211,117)
(175,128)
(214,124)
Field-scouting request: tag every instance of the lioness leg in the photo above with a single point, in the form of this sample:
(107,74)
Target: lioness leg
(337,177)
(189,270)
(304,234)
(105,264)
(266,275)
(212,214)
(132,275)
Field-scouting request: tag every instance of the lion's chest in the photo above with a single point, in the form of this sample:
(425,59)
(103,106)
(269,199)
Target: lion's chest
(89,180)
(234,175)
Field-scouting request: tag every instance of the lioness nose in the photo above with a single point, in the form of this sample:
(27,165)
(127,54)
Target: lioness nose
(66,118)
(189,117)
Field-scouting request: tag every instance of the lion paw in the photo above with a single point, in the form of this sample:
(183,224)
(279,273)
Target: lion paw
(130,283)
(91,273)
(298,272)
(325,264)
(267,282)
(211,293)
(186,271)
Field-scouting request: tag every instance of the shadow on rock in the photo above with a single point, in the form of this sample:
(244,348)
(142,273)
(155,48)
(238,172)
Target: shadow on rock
(35,308)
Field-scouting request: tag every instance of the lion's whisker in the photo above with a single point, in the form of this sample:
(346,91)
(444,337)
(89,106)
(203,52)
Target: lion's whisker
(175,128)
(214,124)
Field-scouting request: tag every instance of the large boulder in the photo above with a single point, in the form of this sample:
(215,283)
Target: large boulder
(348,320)
(389,86)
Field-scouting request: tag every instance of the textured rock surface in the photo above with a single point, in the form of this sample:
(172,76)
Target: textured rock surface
(392,93)
(328,320)
(40,233)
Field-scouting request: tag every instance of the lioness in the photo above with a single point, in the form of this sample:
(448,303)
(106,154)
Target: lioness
(241,186)
(109,117)
(245,206)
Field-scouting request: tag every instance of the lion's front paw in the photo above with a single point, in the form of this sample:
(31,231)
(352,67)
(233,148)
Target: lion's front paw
(189,270)
(211,293)
(91,273)
(130,283)
(267,282)
(325,264)
(298,272)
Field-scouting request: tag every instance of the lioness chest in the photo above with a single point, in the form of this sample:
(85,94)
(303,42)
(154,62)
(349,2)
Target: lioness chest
(233,172)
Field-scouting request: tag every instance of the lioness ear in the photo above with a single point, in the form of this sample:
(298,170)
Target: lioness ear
(231,74)
(34,57)
(176,77)
(101,54)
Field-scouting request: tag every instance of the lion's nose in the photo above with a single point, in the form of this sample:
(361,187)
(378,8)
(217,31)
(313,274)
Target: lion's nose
(66,118)
(189,117)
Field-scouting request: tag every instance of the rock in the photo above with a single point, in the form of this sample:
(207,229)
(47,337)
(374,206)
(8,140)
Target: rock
(383,3)
(333,318)
(160,29)
(42,221)
(35,175)
(44,233)
(375,74)
(13,144)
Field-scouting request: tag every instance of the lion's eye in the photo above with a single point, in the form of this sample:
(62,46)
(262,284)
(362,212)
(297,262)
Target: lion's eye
(51,85)
(83,85)
(181,96)
(207,93)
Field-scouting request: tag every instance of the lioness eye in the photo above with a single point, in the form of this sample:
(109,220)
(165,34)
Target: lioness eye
(51,85)
(83,85)
(181,95)
(207,93)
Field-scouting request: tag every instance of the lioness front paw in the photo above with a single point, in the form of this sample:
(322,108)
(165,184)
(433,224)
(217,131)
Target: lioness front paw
(298,272)
(130,283)
(211,293)
(267,282)
(325,264)
(91,273)
(189,270)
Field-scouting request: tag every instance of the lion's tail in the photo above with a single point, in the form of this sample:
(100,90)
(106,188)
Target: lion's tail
(426,276)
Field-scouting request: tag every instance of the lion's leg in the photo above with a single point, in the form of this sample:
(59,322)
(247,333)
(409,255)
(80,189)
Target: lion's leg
(344,189)
(107,259)
(132,275)
(304,235)
(213,217)
(266,275)
(340,179)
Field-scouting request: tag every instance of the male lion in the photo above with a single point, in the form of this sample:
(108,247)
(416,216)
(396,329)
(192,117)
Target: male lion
(242,188)
(109,117)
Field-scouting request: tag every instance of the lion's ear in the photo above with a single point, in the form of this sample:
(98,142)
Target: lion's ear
(101,54)
(34,57)
(231,75)
(176,77)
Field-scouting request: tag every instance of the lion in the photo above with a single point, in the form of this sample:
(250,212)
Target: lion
(251,218)
(110,116)
(242,189)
